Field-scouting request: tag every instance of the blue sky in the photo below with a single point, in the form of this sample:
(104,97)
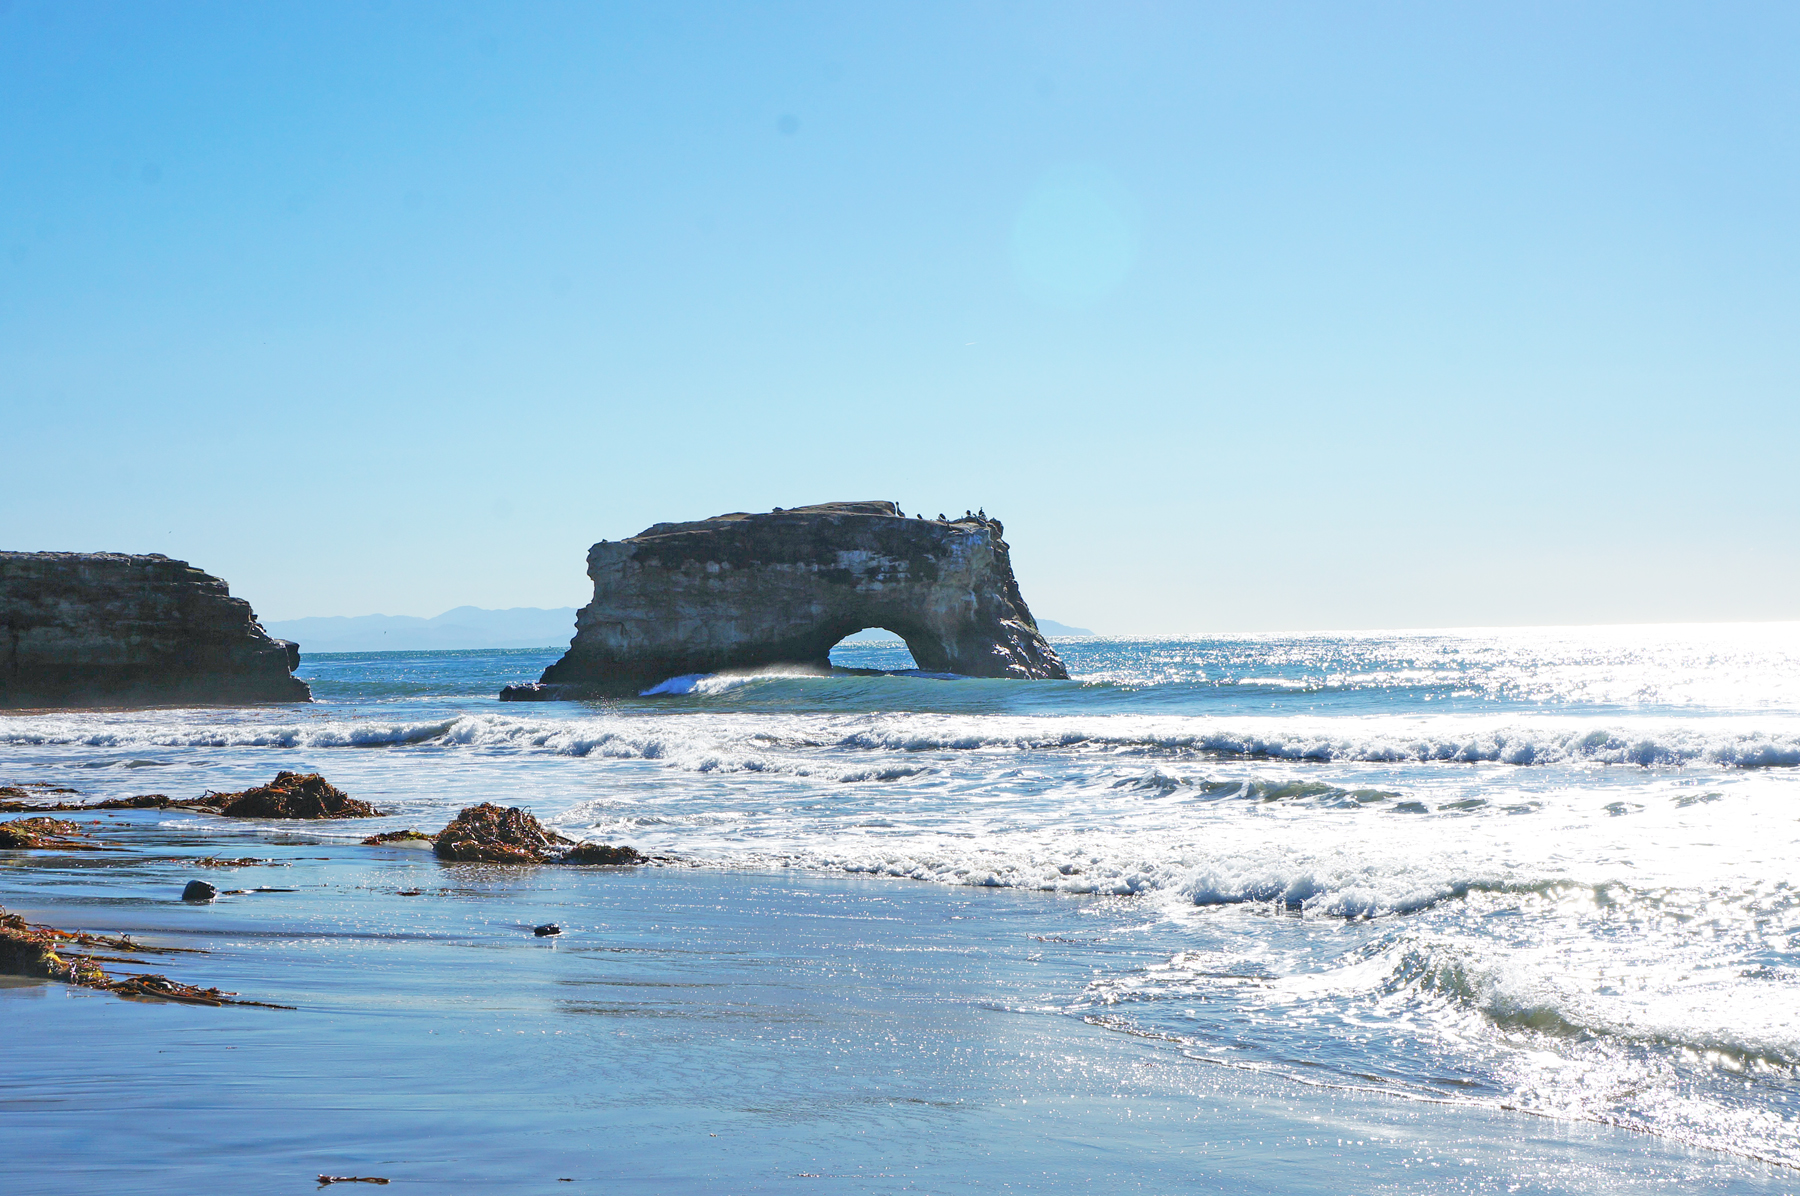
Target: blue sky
(1242,317)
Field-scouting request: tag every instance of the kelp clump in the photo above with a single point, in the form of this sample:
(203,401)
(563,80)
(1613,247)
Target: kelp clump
(27,950)
(40,834)
(143,801)
(396,837)
(289,795)
(602,853)
(46,953)
(494,834)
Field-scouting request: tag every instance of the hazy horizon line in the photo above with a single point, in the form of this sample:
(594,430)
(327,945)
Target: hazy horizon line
(1469,628)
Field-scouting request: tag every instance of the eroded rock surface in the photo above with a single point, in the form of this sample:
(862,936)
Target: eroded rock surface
(109,629)
(741,592)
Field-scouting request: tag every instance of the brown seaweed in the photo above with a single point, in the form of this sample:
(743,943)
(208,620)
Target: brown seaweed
(41,834)
(602,853)
(289,795)
(494,834)
(396,837)
(144,801)
(498,835)
(45,952)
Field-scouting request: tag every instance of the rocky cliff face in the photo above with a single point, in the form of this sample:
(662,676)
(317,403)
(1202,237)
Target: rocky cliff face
(742,592)
(107,629)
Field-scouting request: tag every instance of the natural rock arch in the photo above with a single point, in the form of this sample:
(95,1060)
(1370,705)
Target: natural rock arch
(741,592)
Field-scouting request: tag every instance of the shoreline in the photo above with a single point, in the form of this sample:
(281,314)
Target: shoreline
(802,1017)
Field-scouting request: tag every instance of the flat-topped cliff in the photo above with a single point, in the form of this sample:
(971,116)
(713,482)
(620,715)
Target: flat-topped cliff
(741,592)
(111,629)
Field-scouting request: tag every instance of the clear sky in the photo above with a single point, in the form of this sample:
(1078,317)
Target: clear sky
(1241,317)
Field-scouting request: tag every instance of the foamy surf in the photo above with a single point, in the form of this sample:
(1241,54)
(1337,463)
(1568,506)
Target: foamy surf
(1543,873)
(1740,742)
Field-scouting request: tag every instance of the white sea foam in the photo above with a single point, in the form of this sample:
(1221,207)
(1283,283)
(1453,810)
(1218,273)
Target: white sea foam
(1575,900)
(1559,994)
(708,742)
(1450,741)
(146,732)
(1177,873)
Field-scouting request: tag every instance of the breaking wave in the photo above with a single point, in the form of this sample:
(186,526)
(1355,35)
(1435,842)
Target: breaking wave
(1331,888)
(1516,996)
(1369,742)
(712,741)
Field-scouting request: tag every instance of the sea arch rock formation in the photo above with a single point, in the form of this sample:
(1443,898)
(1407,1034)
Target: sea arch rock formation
(113,629)
(742,592)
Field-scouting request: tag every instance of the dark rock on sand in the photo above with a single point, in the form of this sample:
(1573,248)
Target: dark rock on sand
(111,629)
(289,795)
(198,890)
(743,592)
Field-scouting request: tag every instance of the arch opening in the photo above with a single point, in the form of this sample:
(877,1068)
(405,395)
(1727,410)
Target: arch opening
(873,649)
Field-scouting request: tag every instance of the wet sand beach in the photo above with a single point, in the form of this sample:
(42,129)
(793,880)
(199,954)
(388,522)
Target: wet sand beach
(693,1029)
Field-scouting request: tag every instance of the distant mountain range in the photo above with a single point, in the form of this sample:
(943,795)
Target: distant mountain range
(464,627)
(1052,627)
(473,627)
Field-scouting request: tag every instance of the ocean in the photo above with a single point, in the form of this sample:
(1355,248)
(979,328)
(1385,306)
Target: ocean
(1485,910)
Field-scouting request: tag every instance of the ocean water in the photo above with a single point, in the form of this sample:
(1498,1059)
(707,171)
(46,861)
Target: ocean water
(1502,910)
